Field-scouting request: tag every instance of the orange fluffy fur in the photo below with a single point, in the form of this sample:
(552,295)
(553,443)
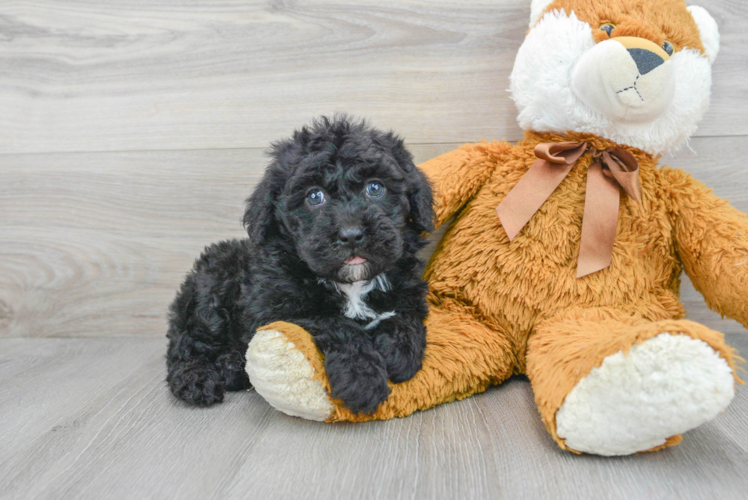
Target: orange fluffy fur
(656,21)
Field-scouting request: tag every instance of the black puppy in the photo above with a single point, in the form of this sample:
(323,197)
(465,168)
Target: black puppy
(334,227)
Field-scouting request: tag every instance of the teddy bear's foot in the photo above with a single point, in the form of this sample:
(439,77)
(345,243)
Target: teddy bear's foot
(282,374)
(634,402)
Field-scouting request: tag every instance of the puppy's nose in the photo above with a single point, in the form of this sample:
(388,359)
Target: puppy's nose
(351,235)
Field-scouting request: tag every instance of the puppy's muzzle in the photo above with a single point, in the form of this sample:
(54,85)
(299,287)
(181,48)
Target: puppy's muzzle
(626,79)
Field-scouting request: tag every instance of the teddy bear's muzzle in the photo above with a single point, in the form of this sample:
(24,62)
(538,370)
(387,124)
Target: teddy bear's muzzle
(626,79)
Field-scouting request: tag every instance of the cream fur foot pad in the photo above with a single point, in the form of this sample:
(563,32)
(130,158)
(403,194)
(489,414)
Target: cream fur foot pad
(664,386)
(283,376)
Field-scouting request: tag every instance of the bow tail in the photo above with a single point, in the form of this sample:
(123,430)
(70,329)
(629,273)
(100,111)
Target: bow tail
(600,221)
(521,203)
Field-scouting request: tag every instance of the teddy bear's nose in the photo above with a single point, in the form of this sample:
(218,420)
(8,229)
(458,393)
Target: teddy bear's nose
(646,54)
(645,60)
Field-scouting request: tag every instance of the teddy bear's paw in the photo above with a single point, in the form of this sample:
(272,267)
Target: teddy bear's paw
(634,402)
(282,375)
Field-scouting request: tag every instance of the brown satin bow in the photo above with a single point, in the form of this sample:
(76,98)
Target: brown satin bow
(613,169)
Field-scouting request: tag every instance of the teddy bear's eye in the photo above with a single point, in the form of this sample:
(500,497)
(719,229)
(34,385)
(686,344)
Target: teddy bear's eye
(668,47)
(608,28)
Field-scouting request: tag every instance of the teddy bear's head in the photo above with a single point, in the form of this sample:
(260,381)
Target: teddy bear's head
(636,72)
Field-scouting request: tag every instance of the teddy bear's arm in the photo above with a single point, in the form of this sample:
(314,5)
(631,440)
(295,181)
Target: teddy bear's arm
(712,240)
(458,175)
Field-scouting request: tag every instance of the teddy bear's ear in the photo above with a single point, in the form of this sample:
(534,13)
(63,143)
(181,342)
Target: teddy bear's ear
(536,10)
(708,30)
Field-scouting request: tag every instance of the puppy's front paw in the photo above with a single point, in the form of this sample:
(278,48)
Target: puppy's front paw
(196,383)
(359,380)
(403,369)
(402,361)
(231,368)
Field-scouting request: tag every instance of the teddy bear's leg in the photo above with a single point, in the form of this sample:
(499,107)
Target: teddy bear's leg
(611,384)
(463,356)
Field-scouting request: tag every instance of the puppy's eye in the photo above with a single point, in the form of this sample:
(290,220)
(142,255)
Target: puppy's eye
(374,189)
(608,28)
(315,197)
(668,47)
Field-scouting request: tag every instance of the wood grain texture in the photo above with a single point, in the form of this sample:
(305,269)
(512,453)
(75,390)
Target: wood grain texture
(130,134)
(91,75)
(92,418)
(96,244)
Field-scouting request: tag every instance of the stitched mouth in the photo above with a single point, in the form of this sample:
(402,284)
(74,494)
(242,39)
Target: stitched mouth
(634,87)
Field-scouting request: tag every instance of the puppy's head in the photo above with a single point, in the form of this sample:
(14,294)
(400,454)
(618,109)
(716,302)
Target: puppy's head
(346,196)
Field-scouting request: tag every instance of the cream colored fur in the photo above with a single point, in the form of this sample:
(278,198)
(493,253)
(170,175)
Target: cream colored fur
(283,376)
(633,402)
(607,79)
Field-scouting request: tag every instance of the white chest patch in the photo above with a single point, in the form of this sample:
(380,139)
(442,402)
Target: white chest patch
(356,307)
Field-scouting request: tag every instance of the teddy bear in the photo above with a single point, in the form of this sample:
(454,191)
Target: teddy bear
(563,252)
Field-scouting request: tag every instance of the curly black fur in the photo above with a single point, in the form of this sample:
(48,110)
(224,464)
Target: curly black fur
(293,265)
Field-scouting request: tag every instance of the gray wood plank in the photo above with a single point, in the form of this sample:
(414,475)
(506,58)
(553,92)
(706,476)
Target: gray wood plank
(92,75)
(91,418)
(96,244)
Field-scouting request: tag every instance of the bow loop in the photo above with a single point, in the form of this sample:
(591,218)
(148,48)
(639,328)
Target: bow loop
(625,169)
(565,153)
(613,169)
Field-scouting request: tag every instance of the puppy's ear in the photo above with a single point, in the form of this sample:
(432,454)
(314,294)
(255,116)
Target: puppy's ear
(259,216)
(419,190)
(421,201)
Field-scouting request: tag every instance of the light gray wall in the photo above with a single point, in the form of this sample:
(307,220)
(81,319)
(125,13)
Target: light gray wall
(132,131)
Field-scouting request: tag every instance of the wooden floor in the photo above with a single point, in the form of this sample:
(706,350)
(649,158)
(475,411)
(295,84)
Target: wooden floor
(92,419)
(131,131)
